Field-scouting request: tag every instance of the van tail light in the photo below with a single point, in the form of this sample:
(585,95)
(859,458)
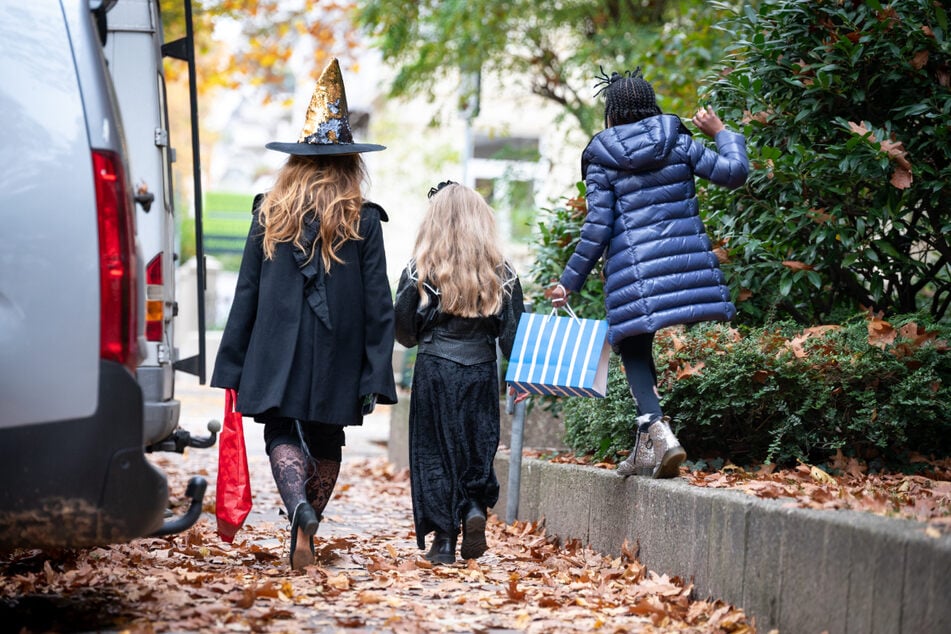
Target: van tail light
(117,266)
(154,300)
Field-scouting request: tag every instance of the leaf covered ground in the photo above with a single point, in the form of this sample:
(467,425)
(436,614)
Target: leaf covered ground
(844,483)
(369,577)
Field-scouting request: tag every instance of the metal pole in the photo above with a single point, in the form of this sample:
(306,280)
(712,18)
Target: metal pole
(469,96)
(518,411)
(184,49)
(467,154)
(196,173)
(515,456)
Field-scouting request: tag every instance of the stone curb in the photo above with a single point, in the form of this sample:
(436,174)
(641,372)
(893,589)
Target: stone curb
(798,570)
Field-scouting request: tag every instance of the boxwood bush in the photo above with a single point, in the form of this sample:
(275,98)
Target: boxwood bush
(875,389)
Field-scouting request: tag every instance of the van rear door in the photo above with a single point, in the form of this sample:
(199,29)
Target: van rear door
(134,52)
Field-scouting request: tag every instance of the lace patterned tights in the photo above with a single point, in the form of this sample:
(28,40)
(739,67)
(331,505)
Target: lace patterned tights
(320,485)
(300,477)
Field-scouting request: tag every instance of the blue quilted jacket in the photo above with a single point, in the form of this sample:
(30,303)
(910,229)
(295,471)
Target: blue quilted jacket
(642,216)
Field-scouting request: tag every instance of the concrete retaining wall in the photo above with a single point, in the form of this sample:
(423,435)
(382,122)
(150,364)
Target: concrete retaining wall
(798,570)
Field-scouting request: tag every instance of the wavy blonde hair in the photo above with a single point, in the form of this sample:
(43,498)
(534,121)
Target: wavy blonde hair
(457,252)
(328,188)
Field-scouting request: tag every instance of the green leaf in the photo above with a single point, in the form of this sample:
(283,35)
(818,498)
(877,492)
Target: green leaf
(912,110)
(750,13)
(785,285)
(887,248)
(941,16)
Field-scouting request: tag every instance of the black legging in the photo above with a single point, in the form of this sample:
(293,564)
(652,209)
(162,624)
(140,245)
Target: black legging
(637,355)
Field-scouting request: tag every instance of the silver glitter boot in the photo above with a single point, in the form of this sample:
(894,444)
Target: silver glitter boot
(641,460)
(657,452)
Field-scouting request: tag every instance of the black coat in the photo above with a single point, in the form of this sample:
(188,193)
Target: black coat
(283,358)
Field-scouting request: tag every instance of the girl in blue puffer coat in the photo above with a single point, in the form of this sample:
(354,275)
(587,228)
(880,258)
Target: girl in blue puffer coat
(659,267)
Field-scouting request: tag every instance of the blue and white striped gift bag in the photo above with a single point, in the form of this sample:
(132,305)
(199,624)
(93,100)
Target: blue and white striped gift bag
(561,356)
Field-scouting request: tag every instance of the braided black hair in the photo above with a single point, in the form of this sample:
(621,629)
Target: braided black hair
(627,98)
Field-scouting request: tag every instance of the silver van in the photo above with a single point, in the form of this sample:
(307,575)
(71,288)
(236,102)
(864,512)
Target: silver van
(73,292)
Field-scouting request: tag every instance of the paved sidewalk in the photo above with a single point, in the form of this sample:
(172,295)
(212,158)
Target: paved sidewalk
(370,575)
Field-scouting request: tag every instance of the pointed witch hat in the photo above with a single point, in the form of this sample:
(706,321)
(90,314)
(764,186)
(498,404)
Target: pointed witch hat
(327,126)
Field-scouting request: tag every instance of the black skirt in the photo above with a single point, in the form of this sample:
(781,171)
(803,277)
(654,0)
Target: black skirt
(453,438)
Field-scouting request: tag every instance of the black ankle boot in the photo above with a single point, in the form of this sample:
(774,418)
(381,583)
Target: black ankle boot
(443,549)
(473,532)
(305,519)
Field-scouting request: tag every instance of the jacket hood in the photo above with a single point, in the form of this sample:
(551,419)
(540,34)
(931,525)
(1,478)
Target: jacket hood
(635,147)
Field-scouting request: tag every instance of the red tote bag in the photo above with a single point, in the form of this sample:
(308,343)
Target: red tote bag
(233,492)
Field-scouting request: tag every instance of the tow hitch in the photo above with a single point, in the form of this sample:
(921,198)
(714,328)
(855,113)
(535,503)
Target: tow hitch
(196,491)
(182,438)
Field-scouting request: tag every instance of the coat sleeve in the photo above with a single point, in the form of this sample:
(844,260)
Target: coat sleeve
(234,340)
(512,309)
(727,166)
(377,374)
(596,230)
(405,308)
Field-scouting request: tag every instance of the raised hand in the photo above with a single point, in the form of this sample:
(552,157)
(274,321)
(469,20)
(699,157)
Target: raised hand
(707,121)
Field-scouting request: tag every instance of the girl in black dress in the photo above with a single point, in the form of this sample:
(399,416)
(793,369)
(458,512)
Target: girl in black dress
(456,298)
(309,340)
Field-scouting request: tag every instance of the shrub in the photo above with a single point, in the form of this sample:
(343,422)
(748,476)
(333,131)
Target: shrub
(845,106)
(559,230)
(781,394)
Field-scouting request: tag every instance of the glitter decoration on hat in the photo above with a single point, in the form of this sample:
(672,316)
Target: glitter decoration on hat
(328,118)
(327,123)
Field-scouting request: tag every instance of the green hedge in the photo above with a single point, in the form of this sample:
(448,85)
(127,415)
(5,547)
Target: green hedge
(878,390)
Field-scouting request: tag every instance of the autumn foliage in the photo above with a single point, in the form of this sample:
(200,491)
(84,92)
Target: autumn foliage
(267,34)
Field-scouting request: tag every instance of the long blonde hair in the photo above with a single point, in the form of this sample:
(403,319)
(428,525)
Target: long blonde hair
(457,252)
(328,188)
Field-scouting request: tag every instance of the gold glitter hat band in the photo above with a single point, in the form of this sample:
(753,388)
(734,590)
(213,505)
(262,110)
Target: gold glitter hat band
(327,124)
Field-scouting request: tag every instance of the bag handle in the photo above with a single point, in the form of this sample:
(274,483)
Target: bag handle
(567,309)
(231,397)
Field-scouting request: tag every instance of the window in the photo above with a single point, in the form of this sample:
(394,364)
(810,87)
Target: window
(504,169)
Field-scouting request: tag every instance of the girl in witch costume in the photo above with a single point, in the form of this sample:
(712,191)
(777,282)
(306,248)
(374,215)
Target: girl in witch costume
(659,267)
(456,298)
(309,339)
